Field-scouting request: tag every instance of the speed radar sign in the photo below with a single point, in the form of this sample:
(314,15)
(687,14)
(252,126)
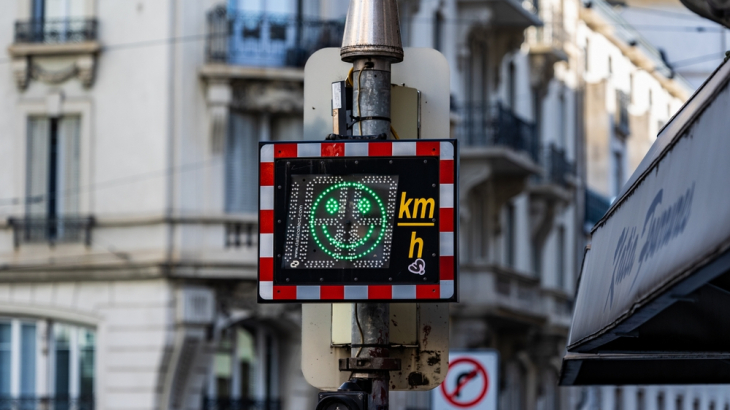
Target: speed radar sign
(471,382)
(357,221)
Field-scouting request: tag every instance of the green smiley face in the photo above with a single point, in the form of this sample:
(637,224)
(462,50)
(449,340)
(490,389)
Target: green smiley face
(347,220)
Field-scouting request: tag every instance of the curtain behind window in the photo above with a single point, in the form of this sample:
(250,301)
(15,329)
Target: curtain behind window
(27,359)
(242,164)
(69,166)
(39,130)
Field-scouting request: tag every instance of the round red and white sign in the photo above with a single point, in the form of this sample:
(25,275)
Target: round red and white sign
(470,383)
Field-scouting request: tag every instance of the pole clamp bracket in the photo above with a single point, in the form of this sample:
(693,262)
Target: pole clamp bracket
(369,364)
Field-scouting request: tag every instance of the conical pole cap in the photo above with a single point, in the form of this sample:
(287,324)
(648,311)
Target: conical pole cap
(372,29)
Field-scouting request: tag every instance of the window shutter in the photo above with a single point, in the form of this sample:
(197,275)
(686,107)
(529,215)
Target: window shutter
(36,201)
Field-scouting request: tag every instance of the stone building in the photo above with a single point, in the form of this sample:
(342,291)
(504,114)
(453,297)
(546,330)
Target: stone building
(128,198)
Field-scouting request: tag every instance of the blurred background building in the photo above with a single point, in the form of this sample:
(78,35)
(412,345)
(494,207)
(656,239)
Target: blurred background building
(128,193)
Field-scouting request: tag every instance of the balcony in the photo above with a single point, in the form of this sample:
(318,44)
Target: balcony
(56,31)
(51,231)
(239,404)
(46,403)
(74,39)
(550,37)
(501,291)
(267,40)
(555,183)
(496,126)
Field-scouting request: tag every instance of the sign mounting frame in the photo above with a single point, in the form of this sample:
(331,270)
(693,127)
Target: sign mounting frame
(342,169)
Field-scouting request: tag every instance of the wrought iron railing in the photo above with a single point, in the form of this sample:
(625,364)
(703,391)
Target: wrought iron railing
(267,39)
(596,206)
(494,125)
(46,403)
(240,234)
(56,31)
(556,166)
(239,404)
(32,229)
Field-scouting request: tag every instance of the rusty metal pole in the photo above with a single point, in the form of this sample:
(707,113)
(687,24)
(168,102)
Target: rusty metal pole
(372,42)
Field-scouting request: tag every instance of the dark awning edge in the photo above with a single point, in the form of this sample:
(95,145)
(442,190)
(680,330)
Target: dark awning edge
(661,368)
(707,268)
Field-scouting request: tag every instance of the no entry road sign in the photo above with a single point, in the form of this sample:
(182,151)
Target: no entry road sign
(471,382)
(358,221)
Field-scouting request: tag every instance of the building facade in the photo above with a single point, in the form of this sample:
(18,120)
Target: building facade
(128,202)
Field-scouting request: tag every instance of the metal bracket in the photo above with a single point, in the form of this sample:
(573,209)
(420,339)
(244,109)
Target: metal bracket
(338,137)
(369,364)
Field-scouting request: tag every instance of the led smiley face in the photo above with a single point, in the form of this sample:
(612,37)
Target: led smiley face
(347,220)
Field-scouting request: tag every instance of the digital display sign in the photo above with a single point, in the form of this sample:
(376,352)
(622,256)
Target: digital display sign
(357,221)
(338,222)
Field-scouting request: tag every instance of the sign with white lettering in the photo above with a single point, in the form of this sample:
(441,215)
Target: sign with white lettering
(357,221)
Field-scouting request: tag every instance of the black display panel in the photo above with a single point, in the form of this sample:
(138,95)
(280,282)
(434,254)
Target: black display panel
(356,220)
(340,222)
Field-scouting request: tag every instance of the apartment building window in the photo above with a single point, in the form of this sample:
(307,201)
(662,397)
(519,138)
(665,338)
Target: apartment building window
(53,164)
(679,402)
(35,350)
(241,161)
(241,154)
(510,236)
(610,66)
(245,370)
(52,186)
(561,257)
(438,30)
(696,404)
(660,401)
(640,400)
(562,118)
(618,399)
(618,171)
(512,86)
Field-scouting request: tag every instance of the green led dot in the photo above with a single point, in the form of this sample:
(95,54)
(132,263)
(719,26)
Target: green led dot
(363,206)
(332,206)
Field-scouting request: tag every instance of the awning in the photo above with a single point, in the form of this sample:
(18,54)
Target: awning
(653,301)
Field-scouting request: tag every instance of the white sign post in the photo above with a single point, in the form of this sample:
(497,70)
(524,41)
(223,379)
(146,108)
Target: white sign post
(471,383)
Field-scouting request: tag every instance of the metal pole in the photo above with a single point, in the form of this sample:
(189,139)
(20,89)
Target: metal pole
(372,43)
(372,320)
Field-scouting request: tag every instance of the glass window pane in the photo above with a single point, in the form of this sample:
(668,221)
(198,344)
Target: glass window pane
(242,164)
(27,359)
(62,339)
(4,359)
(87,344)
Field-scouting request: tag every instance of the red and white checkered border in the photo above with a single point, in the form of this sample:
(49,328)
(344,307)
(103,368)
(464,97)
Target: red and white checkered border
(269,152)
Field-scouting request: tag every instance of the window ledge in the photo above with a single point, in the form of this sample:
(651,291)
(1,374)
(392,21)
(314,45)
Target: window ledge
(26,68)
(53,49)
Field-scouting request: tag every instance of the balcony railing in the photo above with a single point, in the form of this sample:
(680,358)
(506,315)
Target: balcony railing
(239,404)
(266,39)
(495,125)
(240,234)
(54,230)
(56,31)
(557,168)
(551,33)
(46,403)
